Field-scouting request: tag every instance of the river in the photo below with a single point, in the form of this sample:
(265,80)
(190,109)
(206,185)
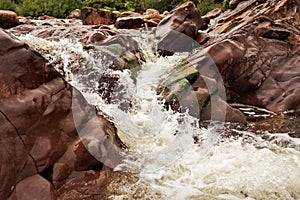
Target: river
(162,159)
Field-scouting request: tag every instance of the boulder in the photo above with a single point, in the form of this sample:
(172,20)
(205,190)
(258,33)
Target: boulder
(76,14)
(34,187)
(38,129)
(8,19)
(183,20)
(213,13)
(92,16)
(258,54)
(129,23)
(190,89)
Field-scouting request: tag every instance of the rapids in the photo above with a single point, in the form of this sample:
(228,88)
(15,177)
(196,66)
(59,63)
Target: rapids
(162,161)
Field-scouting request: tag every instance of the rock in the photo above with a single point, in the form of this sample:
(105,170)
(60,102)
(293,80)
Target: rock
(92,16)
(37,110)
(84,159)
(184,19)
(8,19)
(96,38)
(58,172)
(257,53)
(234,3)
(34,187)
(75,14)
(213,13)
(129,23)
(129,14)
(202,37)
(151,12)
(187,88)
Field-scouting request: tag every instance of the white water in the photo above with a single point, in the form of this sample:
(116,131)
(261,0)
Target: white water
(170,166)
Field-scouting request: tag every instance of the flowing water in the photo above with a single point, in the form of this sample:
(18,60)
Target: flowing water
(162,160)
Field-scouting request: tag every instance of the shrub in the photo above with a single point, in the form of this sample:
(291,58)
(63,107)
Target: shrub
(7,5)
(225,4)
(206,5)
(56,8)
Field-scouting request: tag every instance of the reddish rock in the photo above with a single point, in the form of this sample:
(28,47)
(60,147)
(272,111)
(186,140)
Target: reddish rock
(96,38)
(92,16)
(213,14)
(184,19)
(8,19)
(129,23)
(34,187)
(36,120)
(258,55)
(234,3)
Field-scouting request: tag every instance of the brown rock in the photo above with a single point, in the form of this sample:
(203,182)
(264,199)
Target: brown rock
(129,14)
(34,187)
(8,19)
(184,19)
(75,14)
(84,159)
(258,54)
(92,16)
(59,172)
(213,14)
(37,123)
(129,23)
(96,38)
(233,3)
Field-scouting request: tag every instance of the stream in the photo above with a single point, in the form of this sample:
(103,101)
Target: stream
(162,159)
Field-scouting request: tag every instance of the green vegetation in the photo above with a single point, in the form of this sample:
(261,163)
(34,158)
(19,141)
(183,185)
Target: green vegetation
(225,4)
(61,9)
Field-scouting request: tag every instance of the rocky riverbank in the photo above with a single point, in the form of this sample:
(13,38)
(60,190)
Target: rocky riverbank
(255,47)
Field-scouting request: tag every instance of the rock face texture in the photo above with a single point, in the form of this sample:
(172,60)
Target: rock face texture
(183,20)
(8,19)
(92,16)
(257,52)
(38,134)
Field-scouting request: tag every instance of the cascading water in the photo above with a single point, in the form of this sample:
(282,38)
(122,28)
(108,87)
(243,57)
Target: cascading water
(162,161)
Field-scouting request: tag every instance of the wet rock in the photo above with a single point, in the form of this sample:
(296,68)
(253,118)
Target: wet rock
(96,38)
(75,14)
(184,19)
(34,187)
(201,37)
(38,110)
(92,16)
(257,53)
(8,19)
(129,23)
(193,90)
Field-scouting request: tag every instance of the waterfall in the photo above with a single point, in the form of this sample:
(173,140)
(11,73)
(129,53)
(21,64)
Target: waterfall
(162,160)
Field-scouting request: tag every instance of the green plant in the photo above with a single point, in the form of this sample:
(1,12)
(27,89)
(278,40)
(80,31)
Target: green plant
(7,5)
(56,8)
(225,4)
(206,5)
